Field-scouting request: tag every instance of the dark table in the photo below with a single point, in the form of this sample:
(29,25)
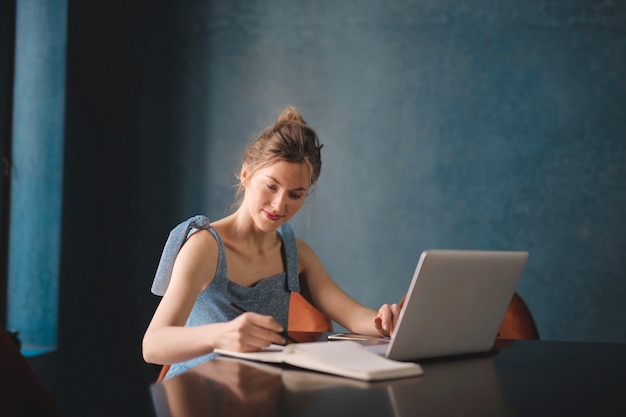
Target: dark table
(517,378)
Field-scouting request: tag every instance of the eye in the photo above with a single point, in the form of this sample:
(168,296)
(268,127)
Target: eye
(270,186)
(296,196)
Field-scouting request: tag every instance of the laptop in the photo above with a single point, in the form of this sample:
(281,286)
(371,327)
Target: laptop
(455,304)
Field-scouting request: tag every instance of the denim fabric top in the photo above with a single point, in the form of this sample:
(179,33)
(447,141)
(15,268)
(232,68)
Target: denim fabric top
(269,296)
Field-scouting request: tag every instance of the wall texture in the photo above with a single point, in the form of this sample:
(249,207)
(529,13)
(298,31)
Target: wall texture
(446,125)
(480,124)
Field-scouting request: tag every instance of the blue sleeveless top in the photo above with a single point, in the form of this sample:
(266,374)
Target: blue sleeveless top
(269,296)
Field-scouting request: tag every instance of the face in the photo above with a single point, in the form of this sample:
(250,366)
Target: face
(274,194)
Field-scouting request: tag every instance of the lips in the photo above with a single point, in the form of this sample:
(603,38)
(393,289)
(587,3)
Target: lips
(272,217)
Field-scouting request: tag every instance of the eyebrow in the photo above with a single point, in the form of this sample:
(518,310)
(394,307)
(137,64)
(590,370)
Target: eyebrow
(278,182)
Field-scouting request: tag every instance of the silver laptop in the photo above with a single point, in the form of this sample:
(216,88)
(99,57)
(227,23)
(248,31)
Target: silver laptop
(455,303)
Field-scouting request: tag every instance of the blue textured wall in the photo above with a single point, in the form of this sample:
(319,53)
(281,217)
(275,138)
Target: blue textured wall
(490,125)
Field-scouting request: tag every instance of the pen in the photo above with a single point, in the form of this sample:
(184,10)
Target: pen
(284,333)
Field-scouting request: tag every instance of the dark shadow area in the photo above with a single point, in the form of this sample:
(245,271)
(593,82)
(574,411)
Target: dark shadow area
(124,142)
(7,62)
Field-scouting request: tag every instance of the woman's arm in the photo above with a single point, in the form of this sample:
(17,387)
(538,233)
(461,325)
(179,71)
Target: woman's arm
(330,299)
(167,340)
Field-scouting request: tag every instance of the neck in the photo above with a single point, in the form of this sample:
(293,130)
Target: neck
(241,228)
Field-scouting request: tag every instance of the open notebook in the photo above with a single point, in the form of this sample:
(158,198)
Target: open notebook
(344,358)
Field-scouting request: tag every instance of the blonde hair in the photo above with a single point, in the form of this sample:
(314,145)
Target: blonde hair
(290,139)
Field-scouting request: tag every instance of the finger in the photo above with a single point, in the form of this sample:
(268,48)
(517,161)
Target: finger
(395,314)
(262,338)
(385,315)
(379,326)
(378,323)
(262,330)
(259,320)
(401,303)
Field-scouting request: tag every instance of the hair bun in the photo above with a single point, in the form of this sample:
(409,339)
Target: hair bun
(290,114)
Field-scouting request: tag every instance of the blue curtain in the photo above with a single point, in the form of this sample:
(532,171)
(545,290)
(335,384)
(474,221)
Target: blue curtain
(36,185)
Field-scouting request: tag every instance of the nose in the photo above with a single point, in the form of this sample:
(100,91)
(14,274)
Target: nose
(279,202)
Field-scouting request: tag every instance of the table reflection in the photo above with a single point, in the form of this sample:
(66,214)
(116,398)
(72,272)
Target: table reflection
(220,388)
(452,387)
(233,387)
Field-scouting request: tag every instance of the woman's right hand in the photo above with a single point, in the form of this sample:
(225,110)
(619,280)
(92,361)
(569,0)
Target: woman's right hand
(250,332)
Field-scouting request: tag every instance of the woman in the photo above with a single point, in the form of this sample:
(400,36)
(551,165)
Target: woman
(230,282)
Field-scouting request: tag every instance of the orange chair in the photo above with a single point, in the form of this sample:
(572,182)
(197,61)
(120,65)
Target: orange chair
(303,317)
(162,374)
(518,322)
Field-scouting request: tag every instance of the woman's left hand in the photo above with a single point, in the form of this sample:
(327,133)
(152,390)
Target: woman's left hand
(385,321)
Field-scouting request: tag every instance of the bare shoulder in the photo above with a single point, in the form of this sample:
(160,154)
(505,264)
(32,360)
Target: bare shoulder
(202,240)
(303,248)
(197,258)
(307,258)
(203,236)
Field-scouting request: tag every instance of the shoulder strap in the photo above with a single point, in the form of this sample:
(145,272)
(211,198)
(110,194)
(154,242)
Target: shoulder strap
(175,241)
(291,257)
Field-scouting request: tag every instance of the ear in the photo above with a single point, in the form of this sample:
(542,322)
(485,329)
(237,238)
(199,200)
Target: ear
(244,175)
